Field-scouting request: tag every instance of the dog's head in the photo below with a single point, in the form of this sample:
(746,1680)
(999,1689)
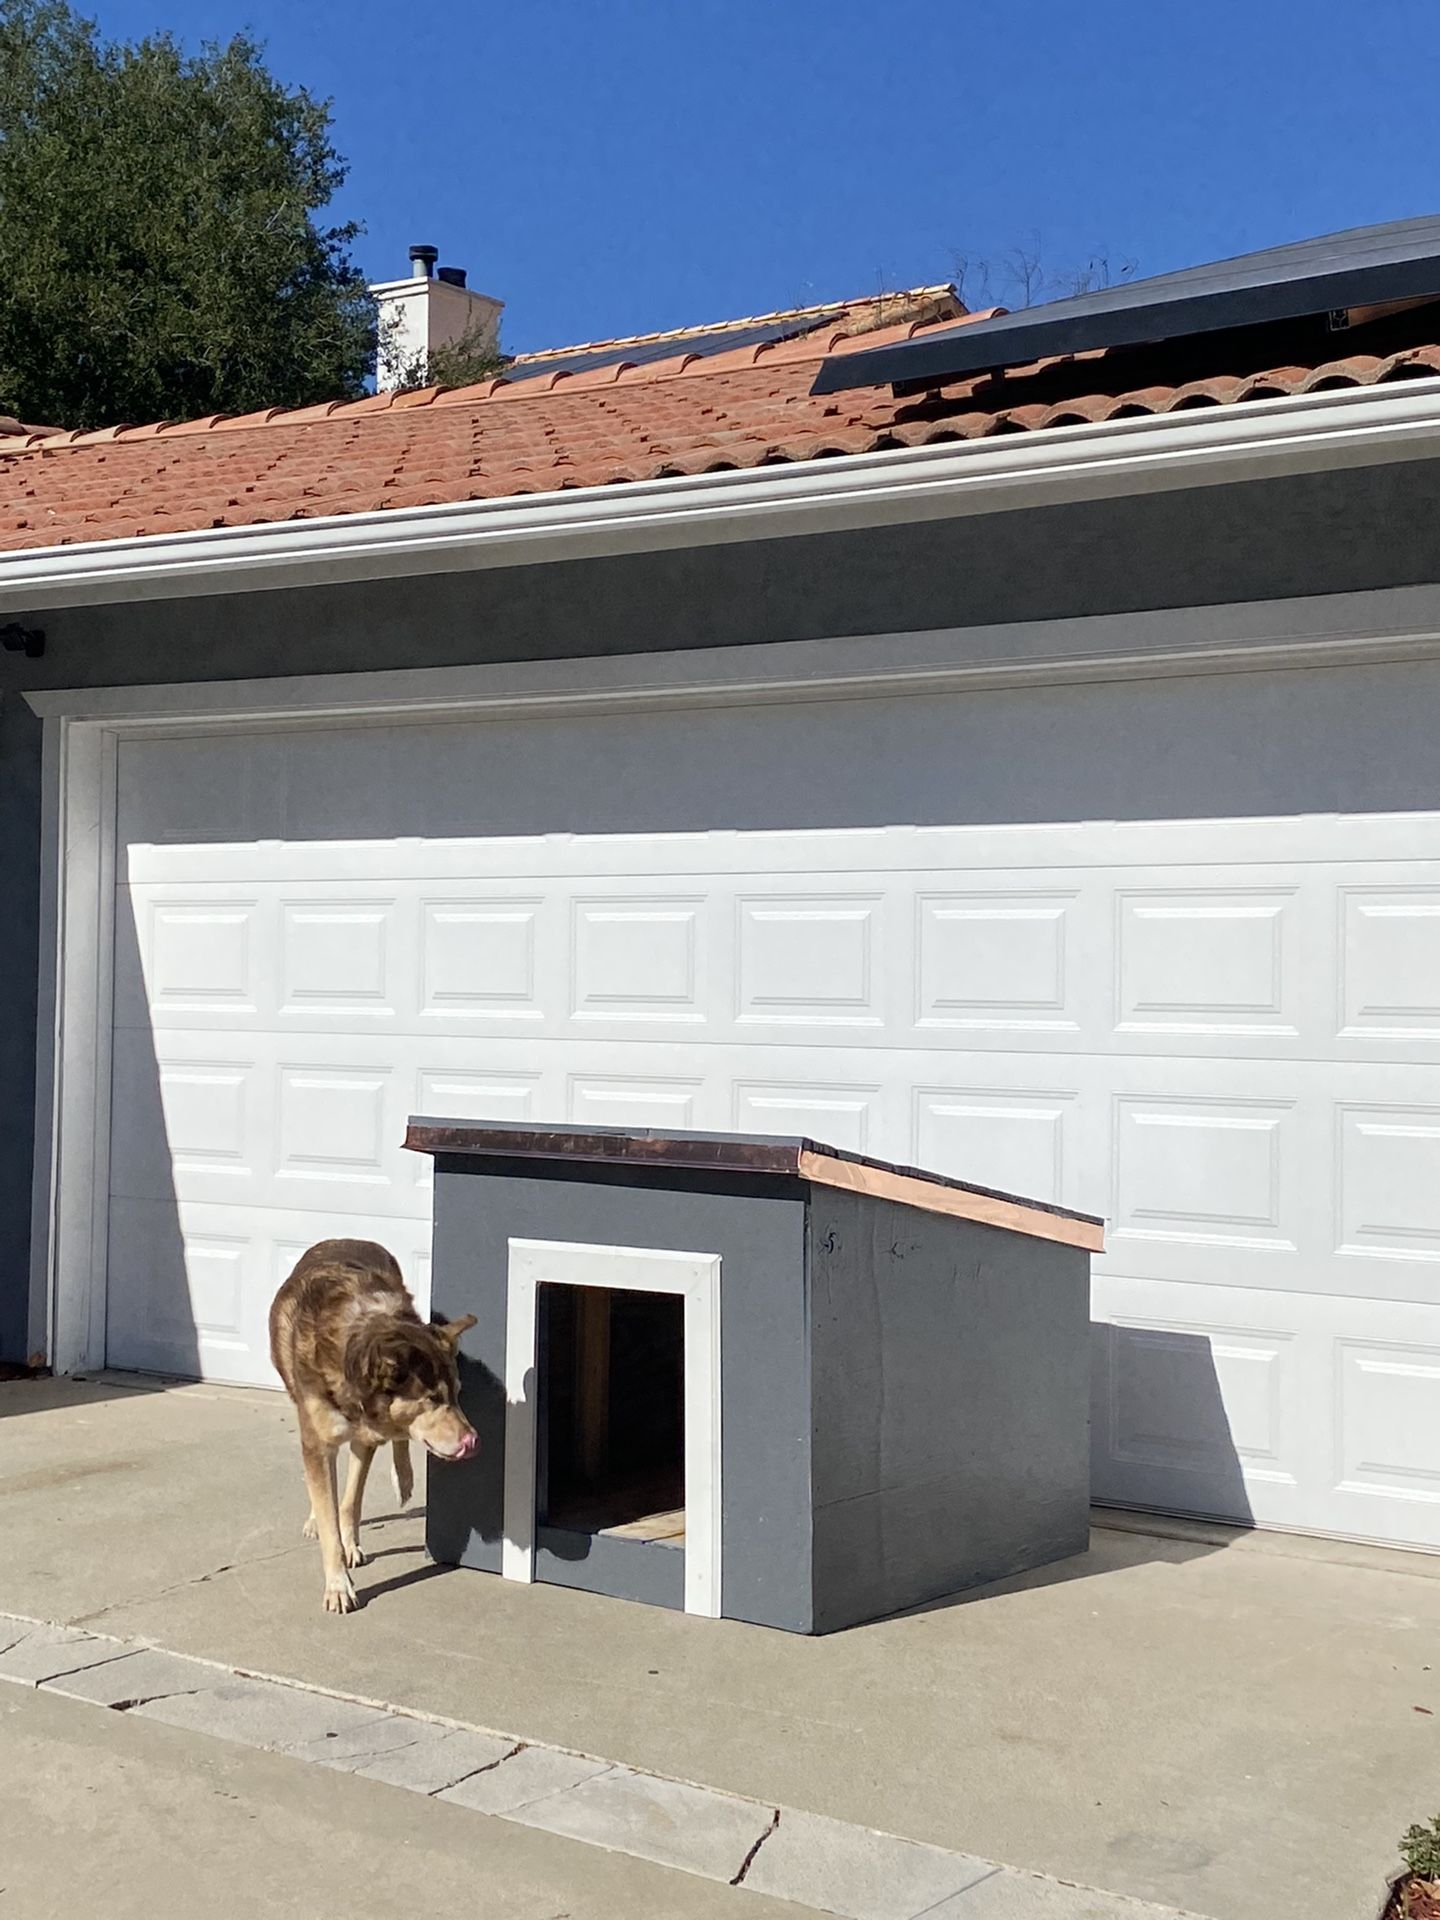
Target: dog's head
(410,1384)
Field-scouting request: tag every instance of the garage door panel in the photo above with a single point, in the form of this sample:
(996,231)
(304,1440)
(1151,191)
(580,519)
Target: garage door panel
(188,1290)
(1237,745)
(1222,1032)
(192,1285)
(1185,1404)
(640,958)
(1379,851)
(191,1118)
(1000,964)
(1305,966)
(193,958)
(850,1115)
(239,1119)
(1207,1171)
(1389,951)
(189,790)
(1387,1203)
(1205,961)
(334,1133)
(343,959)
(663,1100)
(479,1093)
(1239,1174)
(487,961)
(1317,1413)
(1017,1140)
(1387,1401)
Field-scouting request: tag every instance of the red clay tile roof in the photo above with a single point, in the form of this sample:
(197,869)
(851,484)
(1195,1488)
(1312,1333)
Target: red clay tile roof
(9,424)
(746,407)
(862,315)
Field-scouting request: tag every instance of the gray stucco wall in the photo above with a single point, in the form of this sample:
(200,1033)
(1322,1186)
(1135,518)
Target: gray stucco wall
(951,1417)
(1326,533)
(19,972)
(765,1397)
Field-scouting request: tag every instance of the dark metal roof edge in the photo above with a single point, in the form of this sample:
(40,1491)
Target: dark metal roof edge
(652,1147)
(1040,332)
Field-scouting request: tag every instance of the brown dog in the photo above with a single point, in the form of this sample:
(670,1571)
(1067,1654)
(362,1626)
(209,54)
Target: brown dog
(361,1365)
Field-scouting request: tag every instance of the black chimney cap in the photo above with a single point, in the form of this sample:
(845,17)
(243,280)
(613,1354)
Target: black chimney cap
(452,276)
(426,257)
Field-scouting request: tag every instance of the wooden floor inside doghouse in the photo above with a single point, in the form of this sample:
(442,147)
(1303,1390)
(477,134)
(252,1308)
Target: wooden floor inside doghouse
(662,1529)
(612,1414)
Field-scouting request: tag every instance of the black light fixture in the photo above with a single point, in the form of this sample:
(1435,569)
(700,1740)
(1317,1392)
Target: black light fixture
(27,640)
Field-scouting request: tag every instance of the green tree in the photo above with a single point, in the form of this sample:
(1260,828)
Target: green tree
(160,257)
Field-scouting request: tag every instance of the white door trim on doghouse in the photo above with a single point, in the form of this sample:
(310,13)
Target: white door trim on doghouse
(84,726)
(696,1278)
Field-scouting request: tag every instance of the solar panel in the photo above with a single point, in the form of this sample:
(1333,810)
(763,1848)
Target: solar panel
(703,344)
(1364,266)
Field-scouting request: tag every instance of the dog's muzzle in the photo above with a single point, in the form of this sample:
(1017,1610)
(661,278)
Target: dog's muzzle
(469,1446)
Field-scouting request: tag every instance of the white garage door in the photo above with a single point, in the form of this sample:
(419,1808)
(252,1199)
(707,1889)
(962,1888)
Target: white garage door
(1085,944)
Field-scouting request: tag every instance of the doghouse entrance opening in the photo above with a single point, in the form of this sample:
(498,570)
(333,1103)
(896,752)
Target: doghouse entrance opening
(611,1371)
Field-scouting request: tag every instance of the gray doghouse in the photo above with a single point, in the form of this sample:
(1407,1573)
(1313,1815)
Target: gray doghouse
(757,1378)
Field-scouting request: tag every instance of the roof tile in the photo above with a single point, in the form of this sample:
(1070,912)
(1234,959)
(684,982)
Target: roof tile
(229,424)
(203,425)
(624,422)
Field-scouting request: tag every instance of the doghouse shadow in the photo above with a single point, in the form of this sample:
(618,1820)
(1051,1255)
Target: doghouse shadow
(466,1498)
(1157,1412)
(1161,1437)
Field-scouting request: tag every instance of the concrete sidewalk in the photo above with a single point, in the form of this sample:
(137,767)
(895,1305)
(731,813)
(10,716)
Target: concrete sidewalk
(125,1819)
(782,1854)
(1222,1724)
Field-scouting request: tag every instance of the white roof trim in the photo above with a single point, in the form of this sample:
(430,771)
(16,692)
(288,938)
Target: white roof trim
(1252,440)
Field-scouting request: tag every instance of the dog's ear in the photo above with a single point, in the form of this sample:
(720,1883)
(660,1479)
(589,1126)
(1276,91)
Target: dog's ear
(451,1330)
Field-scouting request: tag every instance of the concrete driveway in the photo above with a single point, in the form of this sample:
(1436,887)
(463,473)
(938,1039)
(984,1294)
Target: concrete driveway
(1216,1722)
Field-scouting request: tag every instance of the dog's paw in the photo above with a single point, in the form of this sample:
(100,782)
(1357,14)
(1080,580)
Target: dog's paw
(310,1531)
(353,1553)
(340,1599)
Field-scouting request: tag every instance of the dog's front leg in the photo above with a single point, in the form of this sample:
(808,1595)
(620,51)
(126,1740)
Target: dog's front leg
(361,1454)
(403,1471)
(319,1458)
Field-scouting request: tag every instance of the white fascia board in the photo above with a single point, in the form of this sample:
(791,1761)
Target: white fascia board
(1221,445)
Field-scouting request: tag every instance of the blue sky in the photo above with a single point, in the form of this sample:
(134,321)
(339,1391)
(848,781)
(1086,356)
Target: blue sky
(617,166)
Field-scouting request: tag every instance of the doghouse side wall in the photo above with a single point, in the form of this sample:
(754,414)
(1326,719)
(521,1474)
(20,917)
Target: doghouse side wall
(764,1368)
(951,1377)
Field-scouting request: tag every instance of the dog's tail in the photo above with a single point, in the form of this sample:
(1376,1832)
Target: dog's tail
(402,1471)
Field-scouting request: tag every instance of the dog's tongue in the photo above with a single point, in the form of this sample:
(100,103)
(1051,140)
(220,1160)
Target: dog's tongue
(468,1447)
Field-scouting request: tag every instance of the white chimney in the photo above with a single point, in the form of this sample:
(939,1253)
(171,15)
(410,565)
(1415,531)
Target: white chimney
(431,309)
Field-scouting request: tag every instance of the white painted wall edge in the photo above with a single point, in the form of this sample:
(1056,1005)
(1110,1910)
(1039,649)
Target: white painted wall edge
(40,1329)
(1339,629)
(1257,439)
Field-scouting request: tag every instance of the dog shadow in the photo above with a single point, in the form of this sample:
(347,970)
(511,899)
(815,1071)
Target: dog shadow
(397,1582)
